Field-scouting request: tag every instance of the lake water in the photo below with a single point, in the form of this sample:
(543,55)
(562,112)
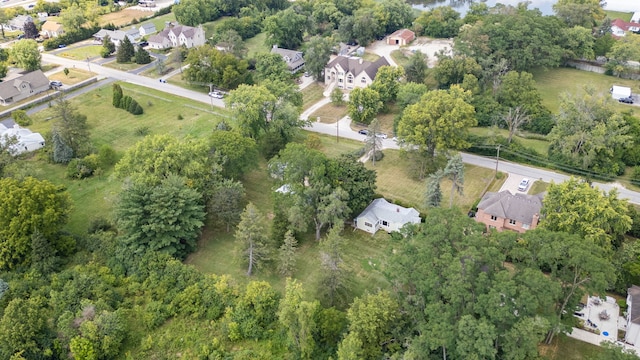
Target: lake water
(545,6)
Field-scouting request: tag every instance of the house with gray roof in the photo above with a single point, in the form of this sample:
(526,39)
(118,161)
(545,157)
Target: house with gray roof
(175,35)
(18,22)
(504,210)
(351,72)
(147,29)
(293,58)
(26,140)
(116,36)
(632,336)
(23,87)
(381,214)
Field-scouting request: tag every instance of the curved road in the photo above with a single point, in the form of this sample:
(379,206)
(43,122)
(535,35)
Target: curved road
(342,127)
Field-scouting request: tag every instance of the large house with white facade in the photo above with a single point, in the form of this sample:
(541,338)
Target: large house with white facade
(178,35)
(351,72)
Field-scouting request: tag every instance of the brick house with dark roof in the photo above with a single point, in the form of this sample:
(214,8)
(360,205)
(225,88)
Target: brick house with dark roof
(351,72)
(504,210)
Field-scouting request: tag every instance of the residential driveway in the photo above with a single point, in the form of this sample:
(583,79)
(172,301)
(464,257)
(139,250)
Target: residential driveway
(512,182)
(427,46)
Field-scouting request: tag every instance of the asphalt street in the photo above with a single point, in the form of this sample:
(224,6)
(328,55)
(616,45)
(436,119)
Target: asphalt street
(342,128)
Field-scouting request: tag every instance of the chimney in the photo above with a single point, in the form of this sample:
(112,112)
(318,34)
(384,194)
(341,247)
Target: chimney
(398,209)
(534,221)
(360,61)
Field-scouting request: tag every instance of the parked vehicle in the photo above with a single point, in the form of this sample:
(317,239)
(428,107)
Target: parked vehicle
(381,135)
(524,184)
(62,46)
(363,132)
(626,100)
(55,84)
(216,94)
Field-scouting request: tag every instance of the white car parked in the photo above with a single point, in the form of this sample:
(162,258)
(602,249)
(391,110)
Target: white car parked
(524,184)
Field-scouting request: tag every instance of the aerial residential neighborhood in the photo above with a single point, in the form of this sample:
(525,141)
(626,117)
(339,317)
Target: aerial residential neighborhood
(319,179)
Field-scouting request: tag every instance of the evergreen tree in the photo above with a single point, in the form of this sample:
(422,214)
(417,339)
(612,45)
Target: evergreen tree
(117,95)
(251,232)
(108,47)
(287,254)
(125,51)
(142,56)
(43,257)
(433,193)
(62,153)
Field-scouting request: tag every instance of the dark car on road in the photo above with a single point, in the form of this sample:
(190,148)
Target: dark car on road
(626,100)
(363,132)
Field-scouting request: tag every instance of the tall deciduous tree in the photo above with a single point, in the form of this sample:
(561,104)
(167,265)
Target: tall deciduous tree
(575,207)
(588,132)
(585,13)
(317,55)
(163,217)
(364,104)
(333,276)
(439,121)
(387,82)
(29,206)
(440,22)
(72,17)
(208,65)
(355,179)
(298,317)
(514,118)
(239,153)
(251,233)
(271,66)
(416,68)
(285,28)
(226,202)
(26,54)
(23,329)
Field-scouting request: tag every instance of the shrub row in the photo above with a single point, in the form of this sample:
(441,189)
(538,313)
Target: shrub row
(125,102)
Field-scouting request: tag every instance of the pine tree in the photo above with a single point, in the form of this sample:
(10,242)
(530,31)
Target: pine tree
(125,51)
(334,273)
(287,254)
(117,95)
(62,153)
(250,231)
(43,257)
(142,56)
(433,193)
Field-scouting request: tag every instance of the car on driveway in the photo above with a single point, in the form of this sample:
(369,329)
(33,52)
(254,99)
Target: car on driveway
(216,94)
(55,84)
(381,135)
(363,132)
(626,100)
(524,184)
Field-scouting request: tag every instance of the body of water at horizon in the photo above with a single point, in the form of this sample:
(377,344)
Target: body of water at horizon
(545,6)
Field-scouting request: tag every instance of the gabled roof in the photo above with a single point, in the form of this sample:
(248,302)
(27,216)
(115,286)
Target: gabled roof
(406,34)
(381,209)
(356,65)
(634,311)
(626,26)
(9,88)
(51,26)
(519,207)
(148,27)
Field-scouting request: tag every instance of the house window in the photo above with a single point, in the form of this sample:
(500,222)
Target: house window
(385,223)
(363,80)
(494,218)
(512,222)
(340,80)
(350,80)
(367,224)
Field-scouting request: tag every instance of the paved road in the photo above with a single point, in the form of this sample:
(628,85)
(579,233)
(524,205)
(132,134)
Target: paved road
(342,127)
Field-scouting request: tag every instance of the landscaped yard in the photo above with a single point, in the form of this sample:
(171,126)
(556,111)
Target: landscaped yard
(122,66)
(329,113)
(75,76)
(160,21)
(554,82)
(566,348)
(256,45)
(311,95)
(83,52)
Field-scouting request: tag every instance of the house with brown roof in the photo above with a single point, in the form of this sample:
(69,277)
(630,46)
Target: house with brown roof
(51,29)
(351,72)
(620,27)
(293,58)
(504,210)
(178,35)
(22,87)
(401,37)
(632,335)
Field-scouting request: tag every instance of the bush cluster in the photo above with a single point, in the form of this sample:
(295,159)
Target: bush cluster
(70,37)
(125,102)
(92,164)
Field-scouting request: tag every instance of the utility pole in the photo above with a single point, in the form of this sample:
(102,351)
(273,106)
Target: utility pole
(497,158)
(337,130)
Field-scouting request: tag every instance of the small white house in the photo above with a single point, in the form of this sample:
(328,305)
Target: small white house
(27,140)
(632,335)
(381,214)
(620,92)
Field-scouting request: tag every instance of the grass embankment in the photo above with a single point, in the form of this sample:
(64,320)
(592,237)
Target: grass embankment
(82,53)
(256,45)
(122,66)
(541,146)
(626,16)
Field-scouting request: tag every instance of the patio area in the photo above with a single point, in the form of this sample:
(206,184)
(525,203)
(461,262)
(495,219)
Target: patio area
(598,315)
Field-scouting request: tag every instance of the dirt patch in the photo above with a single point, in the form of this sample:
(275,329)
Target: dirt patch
(430,47)
(123,17)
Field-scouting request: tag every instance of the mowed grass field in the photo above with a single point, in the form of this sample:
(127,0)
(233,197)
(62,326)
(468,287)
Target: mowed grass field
(552,83)
(83,52)
(75,76)
(541,146)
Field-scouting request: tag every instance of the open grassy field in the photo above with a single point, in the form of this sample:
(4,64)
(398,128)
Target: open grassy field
(179,81)
(554,82)
(566,348)
(75,76)
(122,66)
(541,146)
(311,95)
(394,183)
(94,197)
(333,148)
(538,187)
(82,53)
(160,20)
(123,17)
(256,45)
(626,16)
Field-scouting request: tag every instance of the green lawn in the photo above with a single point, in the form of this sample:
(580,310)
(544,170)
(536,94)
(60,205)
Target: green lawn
(94,197)
(395,184)
(626,16)
(311,95)
(159,21)
(82,53)
(538,187)
(540,146)
(553,82)
(75,76)
(177,80)
(329,113)
(566,348)
(122,66)
(333,148)
(400,58)
(256,45)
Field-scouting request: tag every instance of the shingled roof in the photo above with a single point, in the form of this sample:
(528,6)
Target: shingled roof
(356,65)
(634,311)
(519,207)
(382,209)
(11,88)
